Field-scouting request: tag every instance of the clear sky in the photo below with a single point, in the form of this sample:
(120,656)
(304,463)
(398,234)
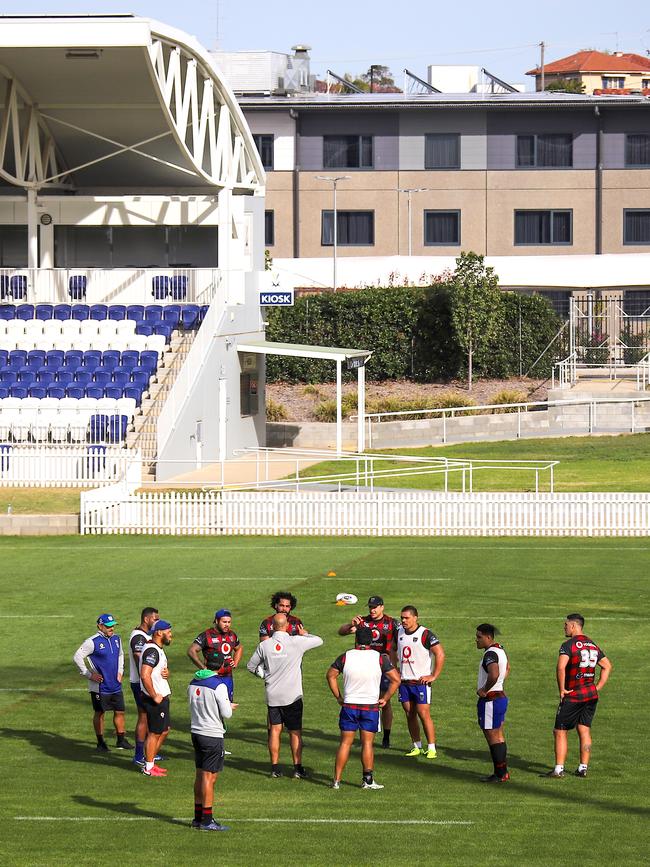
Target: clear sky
(347,37)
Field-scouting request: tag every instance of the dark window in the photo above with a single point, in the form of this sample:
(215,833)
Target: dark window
(636,303)
(347,152)
(548,151)
(645,83)
(441,228)
(543,227)
(135,246)
(269,228)
(13,246)
(636,227)
(353,228)
(248,391)
(613,81)
(264,144)
(637,149)
(442,151)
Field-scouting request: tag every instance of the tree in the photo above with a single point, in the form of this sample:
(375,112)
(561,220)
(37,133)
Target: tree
(475,306)
(378,78)
(566,85)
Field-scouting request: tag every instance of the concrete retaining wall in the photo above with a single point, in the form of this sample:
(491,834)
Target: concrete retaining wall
(39,525)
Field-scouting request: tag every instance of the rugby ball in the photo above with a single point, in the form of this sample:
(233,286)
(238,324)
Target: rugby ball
(346,599)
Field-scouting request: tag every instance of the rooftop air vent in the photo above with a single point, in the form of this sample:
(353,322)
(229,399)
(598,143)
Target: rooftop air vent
(83,54)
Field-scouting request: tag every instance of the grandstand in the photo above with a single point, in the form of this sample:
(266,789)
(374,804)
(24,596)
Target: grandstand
(131,243)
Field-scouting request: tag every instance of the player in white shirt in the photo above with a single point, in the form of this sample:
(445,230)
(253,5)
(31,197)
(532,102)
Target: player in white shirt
(492,701)
(137,640)
(421,659)
(155,694)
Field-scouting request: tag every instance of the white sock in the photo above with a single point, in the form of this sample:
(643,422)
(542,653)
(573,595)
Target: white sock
(559,769)
(148,765)
(417,745)
(582,767)
(431,747)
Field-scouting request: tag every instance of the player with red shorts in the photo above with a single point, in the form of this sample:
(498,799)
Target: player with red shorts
(579,692)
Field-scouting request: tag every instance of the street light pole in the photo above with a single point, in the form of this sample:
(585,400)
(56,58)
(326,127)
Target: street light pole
(334,181)
(408,192)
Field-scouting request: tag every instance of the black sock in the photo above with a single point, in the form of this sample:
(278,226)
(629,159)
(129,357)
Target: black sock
(206,815)
(275,768)
(121,737)
(198,812)
(298,767)
(367,776)
(386,737)
(100,741)
(499,753)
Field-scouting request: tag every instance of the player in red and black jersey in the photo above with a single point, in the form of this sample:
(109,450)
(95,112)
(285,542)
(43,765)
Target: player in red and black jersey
(576,680)
(384,640)
(283,603)
(220,648)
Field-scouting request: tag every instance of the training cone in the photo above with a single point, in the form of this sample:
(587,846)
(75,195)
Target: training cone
(331,574)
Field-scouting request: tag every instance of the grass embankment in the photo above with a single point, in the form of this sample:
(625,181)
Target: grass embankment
(40,501)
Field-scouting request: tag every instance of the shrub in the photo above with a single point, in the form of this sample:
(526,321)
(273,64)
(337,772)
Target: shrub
(311,391)
(508,395)
(275,411)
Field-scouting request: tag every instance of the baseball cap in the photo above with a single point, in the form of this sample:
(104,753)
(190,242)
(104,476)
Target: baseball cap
(159,625)
(107,620)
(222,612)
(375,600)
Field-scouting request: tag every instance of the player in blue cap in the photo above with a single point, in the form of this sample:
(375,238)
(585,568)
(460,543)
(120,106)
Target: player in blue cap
(101,659)
(208,648)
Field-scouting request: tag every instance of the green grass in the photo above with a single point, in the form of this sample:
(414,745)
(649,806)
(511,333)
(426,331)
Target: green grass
(40,501)
(51,592)
(604,463)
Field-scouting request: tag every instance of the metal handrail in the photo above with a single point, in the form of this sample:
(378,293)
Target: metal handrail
(643,373)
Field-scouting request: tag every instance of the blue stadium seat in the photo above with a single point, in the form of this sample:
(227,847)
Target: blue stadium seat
(19,391)
(178,286)
(165,329)
(73,359)
(44,312)
(55,391)
(25,312)
(7,312)
(37,391)
(5,291)
(190,316)
(4,391)
(4,358)
(80,312)
(75,391)
(98,428)
(99,312)
(153,313)
(141,380)
(124,368)
(17,359)
(115,392)
(130,358)
(102,377)
(117,426)
(172,315)
(117,312)
(134,392)
(36,359)
(149,359)
(8,377)
(54,358)
(26,376)
(144,328)
(77,285)
(121,379)
(94,391)
(92,359)
(64,377)
(62,312)
(83,376)
(110,359)
(45,377)
(203,310)
(160,287)
(18,286)
(135,312)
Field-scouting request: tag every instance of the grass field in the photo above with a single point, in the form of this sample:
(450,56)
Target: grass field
(62,803)
(603,463)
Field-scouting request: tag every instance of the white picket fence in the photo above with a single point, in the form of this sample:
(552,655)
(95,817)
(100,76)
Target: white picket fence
(66,466)
(379,513)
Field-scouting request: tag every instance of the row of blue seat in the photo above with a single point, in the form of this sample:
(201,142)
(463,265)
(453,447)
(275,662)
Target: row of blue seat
(102,428)
(186,315)
(162,286)
(115,392)
(45,377)
(72,359)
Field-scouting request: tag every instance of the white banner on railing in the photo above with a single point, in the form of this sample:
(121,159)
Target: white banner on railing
(408,513)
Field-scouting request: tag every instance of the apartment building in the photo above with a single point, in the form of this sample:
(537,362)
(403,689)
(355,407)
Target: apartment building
(510,174)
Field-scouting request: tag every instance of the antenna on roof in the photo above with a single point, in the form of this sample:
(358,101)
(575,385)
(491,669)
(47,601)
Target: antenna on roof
(414,84)
(498,85)
(351,87)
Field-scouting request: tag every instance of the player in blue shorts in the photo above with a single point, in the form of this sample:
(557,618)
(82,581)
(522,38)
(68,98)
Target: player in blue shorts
(492,700)
(362,669)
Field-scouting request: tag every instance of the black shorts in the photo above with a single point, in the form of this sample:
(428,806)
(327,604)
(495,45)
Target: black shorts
(136,689)
(208,753)
(575,713)
(289,715)
(103,701)
(158,717)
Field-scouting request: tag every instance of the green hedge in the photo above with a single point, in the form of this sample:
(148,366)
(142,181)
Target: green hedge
(409,331)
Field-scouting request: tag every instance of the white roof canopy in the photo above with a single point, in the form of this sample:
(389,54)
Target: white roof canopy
(300,350)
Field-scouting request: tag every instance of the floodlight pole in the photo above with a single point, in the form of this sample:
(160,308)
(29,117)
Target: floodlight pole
(408,192)
(334,181)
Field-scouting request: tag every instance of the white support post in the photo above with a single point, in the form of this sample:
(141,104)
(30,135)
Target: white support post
(32,230)
(339,411)
(361,408)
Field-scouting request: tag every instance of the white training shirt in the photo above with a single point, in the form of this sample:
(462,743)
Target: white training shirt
(155,657)
(414,652)
(137,640)
(362,671)
(497,654)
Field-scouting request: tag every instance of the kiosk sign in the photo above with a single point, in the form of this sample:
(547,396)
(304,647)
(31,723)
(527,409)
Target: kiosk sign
(277,298)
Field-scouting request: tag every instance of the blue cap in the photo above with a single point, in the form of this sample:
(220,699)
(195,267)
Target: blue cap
(222,612)
(159,625)
(107,620)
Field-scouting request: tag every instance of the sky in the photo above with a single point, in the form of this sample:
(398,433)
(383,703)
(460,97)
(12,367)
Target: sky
(345,37)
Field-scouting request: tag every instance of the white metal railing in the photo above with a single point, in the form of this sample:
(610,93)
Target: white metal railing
(42,466)
(643,373)
(620,423)
(566,371)
(109,285)
(385,513)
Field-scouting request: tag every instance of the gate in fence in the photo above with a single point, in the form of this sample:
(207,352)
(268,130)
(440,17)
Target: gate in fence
(610,329)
